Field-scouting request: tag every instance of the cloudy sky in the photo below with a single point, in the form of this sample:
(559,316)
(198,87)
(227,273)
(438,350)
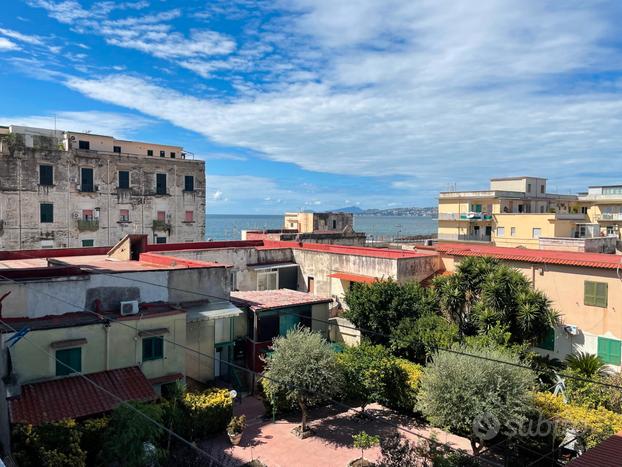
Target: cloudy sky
(320,104)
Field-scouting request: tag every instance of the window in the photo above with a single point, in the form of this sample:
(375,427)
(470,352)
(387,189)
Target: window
(124,179)
(536,232)
(161,184)
(529,188)
(161,216)
(86,178)
(88,243)
(609,350)
(153,348)
(84,145)
(150,152)
(267,326)
(68,361)
(541,209)
(188,183)
(222,330)
(500,231)
(513,231)
(46,175)
(548,341)
(47,212)
(268,280)
(160,239)
(87,214)
(189,217)
(172,155)
(124,215)
(116,149)
(542,189)
(334,224)
(595,294)
(583,209)
(162,153)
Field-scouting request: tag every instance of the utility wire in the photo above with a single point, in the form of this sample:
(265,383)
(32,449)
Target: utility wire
(114,396)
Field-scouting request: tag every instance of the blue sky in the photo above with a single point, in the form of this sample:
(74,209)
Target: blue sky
(320,104)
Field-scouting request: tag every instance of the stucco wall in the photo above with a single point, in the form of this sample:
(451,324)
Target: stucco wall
(124,348)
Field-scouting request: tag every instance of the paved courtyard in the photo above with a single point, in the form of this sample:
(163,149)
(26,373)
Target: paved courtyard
(273,443)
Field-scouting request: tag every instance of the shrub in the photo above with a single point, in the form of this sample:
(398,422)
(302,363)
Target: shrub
(275,402)
(458,390)
(236,425)
(56,444)
(92,442)
(596,424)
(209,412)
(417,338)
(586,365)
(408,387)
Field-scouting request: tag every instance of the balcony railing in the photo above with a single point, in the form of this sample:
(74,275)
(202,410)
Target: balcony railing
(161,226)
(610,216)
(464,216)
(88,225)
(464,238)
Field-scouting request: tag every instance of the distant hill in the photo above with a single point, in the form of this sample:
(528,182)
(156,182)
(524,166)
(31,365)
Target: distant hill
(419,212)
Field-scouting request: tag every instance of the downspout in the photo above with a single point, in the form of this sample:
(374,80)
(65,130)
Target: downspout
(109,183)
(19,199)
(68,204)
(107,329)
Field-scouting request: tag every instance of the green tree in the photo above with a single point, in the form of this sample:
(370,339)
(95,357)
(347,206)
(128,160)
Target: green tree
(364,441)
(50,444)
(128,432)
(460,391)
(586,365)
(381,305)
(303,369)
(417,338)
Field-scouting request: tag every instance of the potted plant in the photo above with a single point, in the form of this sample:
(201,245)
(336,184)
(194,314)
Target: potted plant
(363,441)
(235,428)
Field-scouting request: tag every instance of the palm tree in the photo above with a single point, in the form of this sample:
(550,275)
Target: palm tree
(587,365)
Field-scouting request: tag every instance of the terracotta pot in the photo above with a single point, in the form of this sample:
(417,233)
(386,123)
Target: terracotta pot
(235,438)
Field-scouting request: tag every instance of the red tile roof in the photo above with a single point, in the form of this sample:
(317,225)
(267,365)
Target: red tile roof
(346,276)
(606,454)
(74,397)
(567,258)
(261,300)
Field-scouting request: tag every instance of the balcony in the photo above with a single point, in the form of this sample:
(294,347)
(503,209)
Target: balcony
(161,226)
(464,216)
(609,216)
(465,238)
(88,225)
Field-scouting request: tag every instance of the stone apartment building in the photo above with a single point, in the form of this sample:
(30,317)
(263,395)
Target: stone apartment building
(67,189)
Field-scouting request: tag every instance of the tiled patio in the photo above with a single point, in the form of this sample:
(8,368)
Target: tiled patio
(275,445)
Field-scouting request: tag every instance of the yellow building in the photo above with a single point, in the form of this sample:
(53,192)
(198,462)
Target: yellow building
(308,222)
(518,212)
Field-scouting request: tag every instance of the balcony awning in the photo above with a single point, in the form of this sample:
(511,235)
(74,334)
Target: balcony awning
(346,276)
(212,310)
(261,267)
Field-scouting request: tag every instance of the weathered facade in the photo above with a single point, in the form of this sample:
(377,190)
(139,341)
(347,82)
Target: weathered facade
(55,193)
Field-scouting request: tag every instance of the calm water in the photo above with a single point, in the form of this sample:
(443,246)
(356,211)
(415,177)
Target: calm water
(228,227)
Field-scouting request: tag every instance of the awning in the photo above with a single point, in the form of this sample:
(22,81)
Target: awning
(346,276)
(212,310)
(261,267)
(75,397)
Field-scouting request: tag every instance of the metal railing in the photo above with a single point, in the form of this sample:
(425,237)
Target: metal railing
(610,216)
(88,225)
(464,216)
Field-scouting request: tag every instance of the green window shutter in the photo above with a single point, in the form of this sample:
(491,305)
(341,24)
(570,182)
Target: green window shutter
(601,294)
(610,350)
(71,358)
(595,294)
(548,342)
(46,212)
(153,348)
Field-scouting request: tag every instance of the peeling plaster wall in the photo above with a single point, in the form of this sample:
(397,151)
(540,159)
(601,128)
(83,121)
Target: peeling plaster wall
(21,196)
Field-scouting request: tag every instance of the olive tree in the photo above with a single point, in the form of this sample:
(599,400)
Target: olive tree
(303,369)
(476,397)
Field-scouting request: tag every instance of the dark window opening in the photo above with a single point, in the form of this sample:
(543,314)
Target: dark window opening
(160,239)
(162,153)
(161,184)
(116,149)
(172,155)
(88,242)
(124,179)
(267,326)
(150,152)
(87,180)
(188,183)
(68,361)
(47,213)
(46,175)
(153,348)
(84,145)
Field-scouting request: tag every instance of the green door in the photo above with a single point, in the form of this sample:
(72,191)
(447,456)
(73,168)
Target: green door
(287,321)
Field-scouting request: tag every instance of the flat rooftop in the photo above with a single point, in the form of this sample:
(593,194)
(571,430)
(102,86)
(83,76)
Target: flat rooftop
(262,300)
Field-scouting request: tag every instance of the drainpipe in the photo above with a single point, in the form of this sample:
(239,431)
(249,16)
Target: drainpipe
(108,182)
(107,329)
(19,200)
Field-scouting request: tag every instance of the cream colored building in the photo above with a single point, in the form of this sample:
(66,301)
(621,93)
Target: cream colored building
(309,222)
(518,212)
(65,189)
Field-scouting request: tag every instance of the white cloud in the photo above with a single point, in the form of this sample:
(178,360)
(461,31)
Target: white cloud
(119,125)
(33,40)
(6,44)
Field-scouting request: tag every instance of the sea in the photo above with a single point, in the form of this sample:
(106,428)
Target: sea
(378,228)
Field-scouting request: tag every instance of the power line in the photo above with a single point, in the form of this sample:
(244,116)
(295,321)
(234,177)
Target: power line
(114,396)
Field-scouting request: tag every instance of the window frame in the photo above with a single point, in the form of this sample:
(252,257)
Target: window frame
(188,178)
(158,187)
(189,216)
(533,232)
(116,149)
(596,294)
(150,152)
(84,145)
(123,218)
(151,344)
(51,175)
(92,185)
(87,240)
(62,370)
(500,231)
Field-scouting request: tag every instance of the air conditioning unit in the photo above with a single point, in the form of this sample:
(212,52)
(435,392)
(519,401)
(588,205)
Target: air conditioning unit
(571,329)
(129,308)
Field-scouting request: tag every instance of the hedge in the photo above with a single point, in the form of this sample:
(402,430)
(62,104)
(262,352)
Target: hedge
(209,411)
(599,424)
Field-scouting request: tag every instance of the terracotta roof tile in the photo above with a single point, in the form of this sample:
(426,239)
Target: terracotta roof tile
(568,258)
(74,397)
(261,300)
(606,454)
